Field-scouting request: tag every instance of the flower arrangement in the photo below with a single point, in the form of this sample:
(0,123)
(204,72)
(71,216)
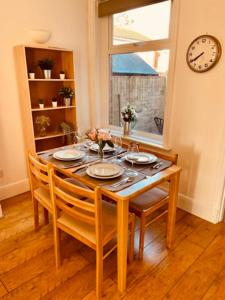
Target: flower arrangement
(100,137)
(129,114)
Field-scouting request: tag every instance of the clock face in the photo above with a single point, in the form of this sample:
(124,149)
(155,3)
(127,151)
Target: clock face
(203,53)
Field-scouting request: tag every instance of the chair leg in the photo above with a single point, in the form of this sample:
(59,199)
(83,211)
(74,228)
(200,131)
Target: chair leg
(131,248)
(36,214)
(142,237)
(57,242)
(46,216)
(99,272)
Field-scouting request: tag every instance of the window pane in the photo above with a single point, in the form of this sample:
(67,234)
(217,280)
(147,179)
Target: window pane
(142,24)
(139,79)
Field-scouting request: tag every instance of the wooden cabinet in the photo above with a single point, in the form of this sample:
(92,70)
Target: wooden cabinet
(31,90)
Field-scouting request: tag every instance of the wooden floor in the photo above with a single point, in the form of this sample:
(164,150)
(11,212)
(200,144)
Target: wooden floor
(195,269)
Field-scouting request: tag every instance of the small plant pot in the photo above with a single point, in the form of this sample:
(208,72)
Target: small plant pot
(67,101)
(41,106)
(54,103)
(47,74)
(32,75)
(62,76)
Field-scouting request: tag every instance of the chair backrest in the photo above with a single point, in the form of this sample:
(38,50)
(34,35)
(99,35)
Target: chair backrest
(38,172)
(159,122)
(66,199)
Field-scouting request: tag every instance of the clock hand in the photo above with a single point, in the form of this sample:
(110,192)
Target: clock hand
(196,57)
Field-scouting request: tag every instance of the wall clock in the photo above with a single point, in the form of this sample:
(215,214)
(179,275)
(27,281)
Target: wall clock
(203,53)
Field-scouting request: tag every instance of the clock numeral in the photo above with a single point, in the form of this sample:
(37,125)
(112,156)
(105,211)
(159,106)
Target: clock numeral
(199,66)
(193,47)
(203,40)
(206,65)
(190,54)
(211,60)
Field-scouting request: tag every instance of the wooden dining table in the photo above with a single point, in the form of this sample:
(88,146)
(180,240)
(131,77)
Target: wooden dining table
(122,198)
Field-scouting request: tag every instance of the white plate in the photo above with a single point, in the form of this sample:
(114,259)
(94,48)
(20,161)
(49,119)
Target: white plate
(141,158)
(104,171)
(107,148)
(69,154)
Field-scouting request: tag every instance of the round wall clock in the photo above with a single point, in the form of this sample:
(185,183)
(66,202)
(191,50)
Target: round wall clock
(203,53)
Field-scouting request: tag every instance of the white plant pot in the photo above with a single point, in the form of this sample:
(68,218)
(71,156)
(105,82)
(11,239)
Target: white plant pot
(41,106)
(32,75)
(67,101)
(47,74)
(54,104)
(62,76)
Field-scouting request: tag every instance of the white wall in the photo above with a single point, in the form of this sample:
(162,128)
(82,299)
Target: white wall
(67,20)
(198,122)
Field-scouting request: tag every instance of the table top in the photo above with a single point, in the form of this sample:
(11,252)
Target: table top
(127,193)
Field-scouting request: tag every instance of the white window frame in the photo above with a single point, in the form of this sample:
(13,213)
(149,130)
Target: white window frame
(107,48)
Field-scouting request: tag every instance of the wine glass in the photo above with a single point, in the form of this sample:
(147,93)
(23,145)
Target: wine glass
(117,140)
(133,149)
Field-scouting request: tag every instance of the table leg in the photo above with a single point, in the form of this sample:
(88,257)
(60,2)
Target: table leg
(122,230)
(173,192)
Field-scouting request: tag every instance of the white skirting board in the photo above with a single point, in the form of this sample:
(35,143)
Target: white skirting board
(13,189)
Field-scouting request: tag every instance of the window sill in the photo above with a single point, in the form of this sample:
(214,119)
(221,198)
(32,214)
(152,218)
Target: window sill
(156,143)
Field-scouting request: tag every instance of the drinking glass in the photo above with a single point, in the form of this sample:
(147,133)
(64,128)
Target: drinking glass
(117,140)
(133,149)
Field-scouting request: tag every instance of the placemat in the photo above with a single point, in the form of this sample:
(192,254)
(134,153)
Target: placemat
(69,164)
(147,169)
(107,183)
(90,157)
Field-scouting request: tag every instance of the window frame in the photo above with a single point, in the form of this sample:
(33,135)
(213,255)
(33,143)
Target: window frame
(170,44)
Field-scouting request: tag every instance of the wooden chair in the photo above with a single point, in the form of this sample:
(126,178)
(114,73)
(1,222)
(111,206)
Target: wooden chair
(152,201)
(39,185)
(93,222)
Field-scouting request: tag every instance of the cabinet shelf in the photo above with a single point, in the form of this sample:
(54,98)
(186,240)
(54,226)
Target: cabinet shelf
(50,80)
(51,135)
(53,108)
(31,90)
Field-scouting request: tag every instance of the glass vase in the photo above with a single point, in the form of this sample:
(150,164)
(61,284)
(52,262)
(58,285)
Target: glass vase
(101,154)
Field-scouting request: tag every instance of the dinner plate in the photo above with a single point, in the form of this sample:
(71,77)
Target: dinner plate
(141,158)
(104,171)
(107,148)
(69,154)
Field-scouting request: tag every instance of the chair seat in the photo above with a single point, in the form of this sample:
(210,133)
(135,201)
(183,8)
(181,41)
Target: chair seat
(147,200)
(42,194)
(79,228)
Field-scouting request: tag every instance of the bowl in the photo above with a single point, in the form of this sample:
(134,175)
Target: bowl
(40,36)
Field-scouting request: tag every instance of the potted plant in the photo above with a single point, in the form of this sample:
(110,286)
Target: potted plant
(46,66)
(41,103)
(67,93)
(31,74)
(54,102)
(67,129)
(62,75)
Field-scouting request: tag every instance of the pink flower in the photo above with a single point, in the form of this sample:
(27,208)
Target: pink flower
(92,134)
(103,135)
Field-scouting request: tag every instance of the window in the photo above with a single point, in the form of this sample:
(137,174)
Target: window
(139,61)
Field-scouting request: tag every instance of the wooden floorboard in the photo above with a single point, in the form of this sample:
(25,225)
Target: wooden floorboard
(193,270)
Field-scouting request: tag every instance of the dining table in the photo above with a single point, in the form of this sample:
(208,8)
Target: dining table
(147,177)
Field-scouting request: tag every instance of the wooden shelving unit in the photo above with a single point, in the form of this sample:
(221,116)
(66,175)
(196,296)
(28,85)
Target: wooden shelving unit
(31,90)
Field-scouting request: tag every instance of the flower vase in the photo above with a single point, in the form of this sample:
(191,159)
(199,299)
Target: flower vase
(126,128)
(101,153)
